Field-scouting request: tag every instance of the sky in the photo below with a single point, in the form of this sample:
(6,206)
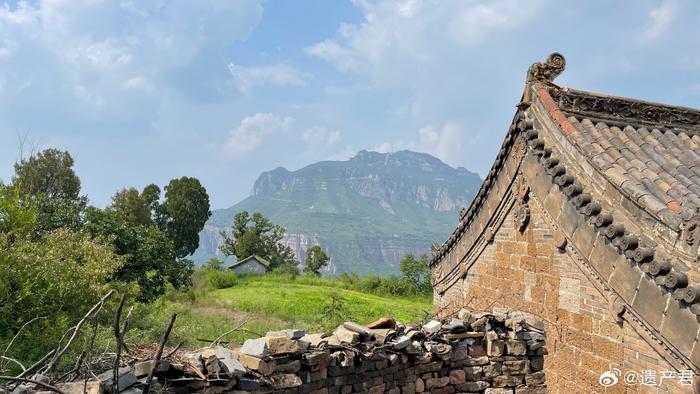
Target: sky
(142,92)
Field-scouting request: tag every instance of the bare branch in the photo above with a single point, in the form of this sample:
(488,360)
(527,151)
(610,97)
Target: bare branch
(159,353)
(215,342)
(37,364)
(76,330)
(14,361)
(173,351)
(20,331)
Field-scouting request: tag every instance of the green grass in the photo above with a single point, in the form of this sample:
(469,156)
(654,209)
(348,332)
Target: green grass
(269,302)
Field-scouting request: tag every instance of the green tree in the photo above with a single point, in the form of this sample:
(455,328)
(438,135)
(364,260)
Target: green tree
(131,206)
(17,217)
(257,235)
(214,264)
(59,276)
(316,259)
(149,254)
(48,180)
(184,213)
(151,195)
(47,175)
(416,272)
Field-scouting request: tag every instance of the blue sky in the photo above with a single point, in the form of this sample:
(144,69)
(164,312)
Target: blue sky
(143,91)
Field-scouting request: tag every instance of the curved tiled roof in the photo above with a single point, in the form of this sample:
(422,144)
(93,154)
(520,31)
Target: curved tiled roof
(659,168)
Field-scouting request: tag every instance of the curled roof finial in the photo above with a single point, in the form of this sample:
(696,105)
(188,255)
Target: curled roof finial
(548,70)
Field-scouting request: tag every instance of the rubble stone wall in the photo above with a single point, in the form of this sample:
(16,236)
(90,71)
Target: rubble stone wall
(473,352)
(526,271)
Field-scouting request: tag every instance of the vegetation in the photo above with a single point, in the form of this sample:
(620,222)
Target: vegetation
(59,257)
(316,259)
(312,303)
(257,235)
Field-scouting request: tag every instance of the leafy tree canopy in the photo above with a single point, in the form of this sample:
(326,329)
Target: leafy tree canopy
(416,272)
(316,259)
(257,235)
(17,217)
(149,256)
(47,179)
(184,213)
(47,175)
(131,206)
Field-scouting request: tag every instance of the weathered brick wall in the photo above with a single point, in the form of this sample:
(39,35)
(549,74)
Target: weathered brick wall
(525,271)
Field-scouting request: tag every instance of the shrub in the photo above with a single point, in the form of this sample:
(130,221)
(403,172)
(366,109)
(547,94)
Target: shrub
(221,279)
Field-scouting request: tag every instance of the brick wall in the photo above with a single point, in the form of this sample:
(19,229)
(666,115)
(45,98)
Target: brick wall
(525,271)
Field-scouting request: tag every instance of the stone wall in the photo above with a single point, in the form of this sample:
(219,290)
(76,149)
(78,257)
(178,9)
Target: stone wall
(483,352)
(526,271)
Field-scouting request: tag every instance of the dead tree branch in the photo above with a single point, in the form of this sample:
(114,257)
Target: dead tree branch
(37,364)
(119,334)
(156,359)
(76,330)
(215,342)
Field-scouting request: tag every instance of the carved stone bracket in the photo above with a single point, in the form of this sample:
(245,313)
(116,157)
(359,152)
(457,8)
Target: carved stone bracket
(522,215)
(521,191)
(690,230)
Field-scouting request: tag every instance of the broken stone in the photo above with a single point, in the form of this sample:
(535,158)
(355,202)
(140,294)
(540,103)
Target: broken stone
(281,345)
(286,381)
(290,333)
(233,366)
(432,327)
(143,368)
(494,348)
(265,368)
(437,382)
(516,348)
(313,339)
(290,367)
(126,379)
(343,335)
(255,347)
(401,342)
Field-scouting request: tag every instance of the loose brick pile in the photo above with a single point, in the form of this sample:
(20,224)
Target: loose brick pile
(485,352)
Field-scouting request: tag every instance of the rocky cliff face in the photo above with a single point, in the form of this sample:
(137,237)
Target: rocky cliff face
(366,212)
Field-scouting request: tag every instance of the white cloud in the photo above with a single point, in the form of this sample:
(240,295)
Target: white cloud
(138,83)
(320,136)
(413,32)
(275,75)
(253,130)
(444,143)
(660,20)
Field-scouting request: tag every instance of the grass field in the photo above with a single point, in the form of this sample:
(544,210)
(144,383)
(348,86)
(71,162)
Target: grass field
(269,302)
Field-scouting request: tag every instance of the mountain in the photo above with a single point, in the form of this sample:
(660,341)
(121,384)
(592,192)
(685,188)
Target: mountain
(366,212)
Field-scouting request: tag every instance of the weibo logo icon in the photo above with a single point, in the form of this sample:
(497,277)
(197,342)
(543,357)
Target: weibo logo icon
(609,378)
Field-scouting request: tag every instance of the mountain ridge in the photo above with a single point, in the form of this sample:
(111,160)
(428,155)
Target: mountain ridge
(366,212)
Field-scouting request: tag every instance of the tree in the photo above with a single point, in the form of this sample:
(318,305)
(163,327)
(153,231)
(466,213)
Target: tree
(257,235)
(17,217)
(183,213)
(151,196)
(47,175)
(149,254)
(316,259)
(131,206)
(416,272)
(48,180)
(214,264)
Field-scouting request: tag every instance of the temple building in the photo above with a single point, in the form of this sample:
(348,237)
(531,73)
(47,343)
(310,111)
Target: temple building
(588,219)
